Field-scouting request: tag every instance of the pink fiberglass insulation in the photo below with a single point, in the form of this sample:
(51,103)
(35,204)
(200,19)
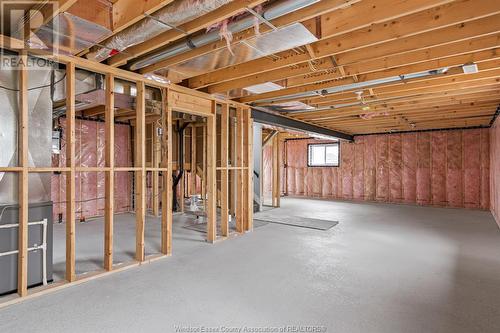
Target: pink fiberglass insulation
(424,168)
(438,173)
(267,176)
(89,186)
(382,175)
(395,168)
(454,169)
(358,174)
(409,159)
(472,164)
(442,168)
(495,169)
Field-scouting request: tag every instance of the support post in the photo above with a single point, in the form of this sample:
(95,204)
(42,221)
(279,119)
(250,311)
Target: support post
(193,160)
(140,176)
(224,173)
(22,256)
(70,175)
(156,178)
(249,226)
(109,174)
(276,172)
(211,161)
(239,171)
(166,209)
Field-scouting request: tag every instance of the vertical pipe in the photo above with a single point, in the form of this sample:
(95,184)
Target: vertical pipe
(44,252)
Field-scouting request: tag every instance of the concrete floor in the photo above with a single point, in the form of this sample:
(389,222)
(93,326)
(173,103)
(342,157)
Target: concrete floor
(384,268)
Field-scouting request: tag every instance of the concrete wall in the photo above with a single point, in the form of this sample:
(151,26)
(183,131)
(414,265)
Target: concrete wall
(495,170)
(90,138)
(442,168)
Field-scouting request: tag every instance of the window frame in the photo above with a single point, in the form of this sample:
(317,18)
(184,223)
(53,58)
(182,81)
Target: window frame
(325,165)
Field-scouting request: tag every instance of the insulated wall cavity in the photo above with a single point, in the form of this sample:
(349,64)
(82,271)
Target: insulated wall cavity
(495,170)
(442,168)
(89,186)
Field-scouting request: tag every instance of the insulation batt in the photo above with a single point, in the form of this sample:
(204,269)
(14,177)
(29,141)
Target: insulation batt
(442,168)
(495,169)
(89,152)
(175,14)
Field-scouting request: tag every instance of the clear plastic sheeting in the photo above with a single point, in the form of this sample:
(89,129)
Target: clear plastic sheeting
(89,152)
(69,34)
(252,48)
(173,15)
(442,168)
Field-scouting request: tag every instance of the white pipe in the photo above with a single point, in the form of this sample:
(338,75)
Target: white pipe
(42,247)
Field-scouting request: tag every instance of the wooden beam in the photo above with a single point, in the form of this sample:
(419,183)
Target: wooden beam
(301,15)
(128,12)
(211,175)
(373,37)
(109,183)
(197,24)
(224,207)
(140,176)
(435,56)
(268,138)
(70,175)
(23,147)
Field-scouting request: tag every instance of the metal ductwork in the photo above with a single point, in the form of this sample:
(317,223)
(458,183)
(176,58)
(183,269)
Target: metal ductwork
(270,13)
(168,18)
(39,137)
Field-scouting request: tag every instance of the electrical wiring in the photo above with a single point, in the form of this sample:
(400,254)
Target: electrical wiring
(35,88)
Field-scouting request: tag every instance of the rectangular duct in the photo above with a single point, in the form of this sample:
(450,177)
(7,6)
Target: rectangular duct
(40,132)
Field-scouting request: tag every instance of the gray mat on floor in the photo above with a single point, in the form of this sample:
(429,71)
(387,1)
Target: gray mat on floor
(202,227)
(298,221)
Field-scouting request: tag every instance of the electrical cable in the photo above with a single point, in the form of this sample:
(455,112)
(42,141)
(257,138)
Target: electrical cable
(35,88)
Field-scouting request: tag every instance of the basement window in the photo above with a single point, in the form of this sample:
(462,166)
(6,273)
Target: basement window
(323,155)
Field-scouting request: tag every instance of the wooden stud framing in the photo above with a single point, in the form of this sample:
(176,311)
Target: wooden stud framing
(22,243)
(166,210)
(70,175)
(109,174)
(276,172)
(224,209)
(250,192)
(140,175)
(70,169)
(239,177)
(211,184)
(155,174)
(193,160)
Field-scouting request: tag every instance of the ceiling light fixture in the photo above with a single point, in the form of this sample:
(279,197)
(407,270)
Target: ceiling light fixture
(470,68)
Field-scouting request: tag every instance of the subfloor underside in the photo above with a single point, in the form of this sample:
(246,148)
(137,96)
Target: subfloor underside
(383,268)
